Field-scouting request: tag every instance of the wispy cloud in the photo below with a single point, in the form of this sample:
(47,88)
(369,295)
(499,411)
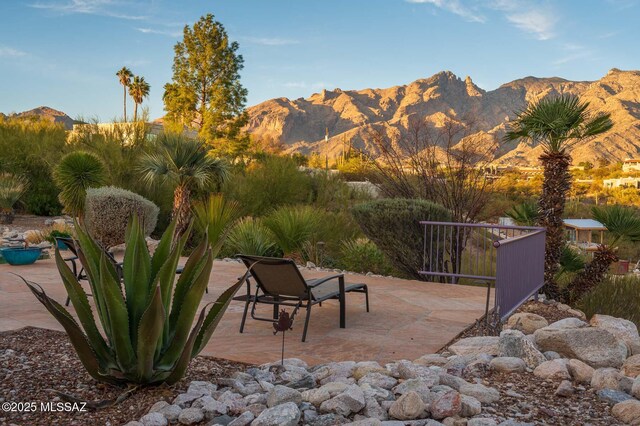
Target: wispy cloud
(88,7)
(574,52)
(6,51)
(455,7)
(168,33)
(270,41)
(304,85)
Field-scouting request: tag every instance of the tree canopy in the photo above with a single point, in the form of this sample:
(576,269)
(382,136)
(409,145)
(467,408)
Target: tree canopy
(205,93)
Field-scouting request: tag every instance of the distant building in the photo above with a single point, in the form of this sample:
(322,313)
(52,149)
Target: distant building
(580,233)
(631,165)
(622,182)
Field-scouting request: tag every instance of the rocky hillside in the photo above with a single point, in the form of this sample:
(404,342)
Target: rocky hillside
(350,114)
(47,113)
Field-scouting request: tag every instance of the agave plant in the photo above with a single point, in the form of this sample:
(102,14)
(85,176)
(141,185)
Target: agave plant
(148,336)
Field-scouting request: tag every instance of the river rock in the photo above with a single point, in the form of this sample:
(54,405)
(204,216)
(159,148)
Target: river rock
(627,412)
(408,407)
(612,397)
(287,414)
(553,370)
(581,372)
(592,345)
(484,394)
(606,378)
(565,389)
(526,322)
(623,329)
(567,323)
(507,364)
(631,366)
(476,346)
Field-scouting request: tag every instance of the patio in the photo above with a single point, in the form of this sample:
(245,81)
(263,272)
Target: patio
(407,318)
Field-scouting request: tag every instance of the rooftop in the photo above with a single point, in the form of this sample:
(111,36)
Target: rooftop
(585,224)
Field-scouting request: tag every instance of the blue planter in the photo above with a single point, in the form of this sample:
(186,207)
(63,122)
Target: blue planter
(21,256)
(61,245)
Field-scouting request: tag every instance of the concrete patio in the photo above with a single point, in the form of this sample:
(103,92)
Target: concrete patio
(407,318)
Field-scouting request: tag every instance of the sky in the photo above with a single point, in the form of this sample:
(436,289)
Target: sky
(64,53)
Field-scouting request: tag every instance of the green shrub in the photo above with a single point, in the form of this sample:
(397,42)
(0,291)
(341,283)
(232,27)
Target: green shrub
(215,217)
(615,296)
(265,185)
(12,187)
(294,228)
(362,255)
(250,236)
(331,192)
(77,172)
(107,212)
(146,334)
(393,225)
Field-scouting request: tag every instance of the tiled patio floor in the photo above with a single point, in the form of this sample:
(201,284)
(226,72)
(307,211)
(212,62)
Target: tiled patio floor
(407,318)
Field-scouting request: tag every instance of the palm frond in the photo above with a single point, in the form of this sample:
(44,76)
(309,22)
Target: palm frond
(623,223)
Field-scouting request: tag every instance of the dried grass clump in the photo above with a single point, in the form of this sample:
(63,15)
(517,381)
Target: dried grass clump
(107,212)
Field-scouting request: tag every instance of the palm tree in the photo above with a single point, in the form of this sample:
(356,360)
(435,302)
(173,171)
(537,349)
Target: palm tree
(124,75)
(623,224)
(556,123)
(525,214)
(138,90)
(186,165)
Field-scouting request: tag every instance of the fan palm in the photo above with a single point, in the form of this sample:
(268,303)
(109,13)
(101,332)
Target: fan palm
(124,76)
(76,172)
(215,217)
(187,166)
(622,223)
(556,123)
(138,90)
(525,214)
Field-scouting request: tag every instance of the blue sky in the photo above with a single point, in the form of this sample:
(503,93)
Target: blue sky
(64,53)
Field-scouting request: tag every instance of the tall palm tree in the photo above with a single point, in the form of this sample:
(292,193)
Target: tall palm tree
(556,123)
(139,89)
(623,224)
(124,75)
(185,164)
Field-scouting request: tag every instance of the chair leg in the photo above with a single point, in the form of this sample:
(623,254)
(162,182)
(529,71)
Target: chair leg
(343,314)
(244,315)
(206,290)
(366,296)
(68,301)
(306,322)
(276,309)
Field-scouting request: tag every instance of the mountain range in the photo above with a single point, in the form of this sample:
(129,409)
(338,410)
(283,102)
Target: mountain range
(351,114)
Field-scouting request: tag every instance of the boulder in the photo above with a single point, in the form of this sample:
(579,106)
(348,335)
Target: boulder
(592,345)
(631,366)
(408,407)
(507,364)
(476,346)
(581,372)
(526,322)
(446,404)
(553,370)
(567,323)
(513,343)
(287,414)
(623,329)
(627,412)
(606,378)
(484,394)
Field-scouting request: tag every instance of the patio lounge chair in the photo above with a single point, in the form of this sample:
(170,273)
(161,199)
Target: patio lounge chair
(279,282)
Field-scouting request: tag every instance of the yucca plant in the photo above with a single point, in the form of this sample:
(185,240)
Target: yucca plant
(148,336)
(215,216)
(12,187)
(77,172)
(250,236)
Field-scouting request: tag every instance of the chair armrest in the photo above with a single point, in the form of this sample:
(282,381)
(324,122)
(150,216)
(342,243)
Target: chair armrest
(324,280)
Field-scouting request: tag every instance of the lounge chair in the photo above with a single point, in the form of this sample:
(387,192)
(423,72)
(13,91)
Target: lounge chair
(279,282)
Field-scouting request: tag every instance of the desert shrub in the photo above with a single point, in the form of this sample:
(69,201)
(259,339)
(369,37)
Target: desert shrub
(268,184)
(215,216)
(250,236)
(393,225)
(331,192)
(75,173)
(294,228)
(362,255)
(107,212)
(615,296)
(12,187)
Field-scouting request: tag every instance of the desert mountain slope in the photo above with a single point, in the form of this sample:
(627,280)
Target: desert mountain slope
(47,113)
(350,114)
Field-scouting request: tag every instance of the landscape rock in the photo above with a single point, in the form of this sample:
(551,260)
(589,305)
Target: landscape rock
(606,378)
(565,389)
(171,412)
(476,346)
(281,394)
(408,407)
(414,385)
(482,393)
(201,388)
(627,412)
(580,372)
(631,366)
(551,355)
(623,329)
(508,364)
(431,359)
(592,345)
(481,421)
(287,414)
(446,404)
(612,397)
(190,416)
(350,401)
(316,396)
(553,370)
(214,409)
(158,406)
(372,409)
(154,419)
(567,323)
(635,389)
(469,406)
(379,380)
(513,343)
(526,322)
